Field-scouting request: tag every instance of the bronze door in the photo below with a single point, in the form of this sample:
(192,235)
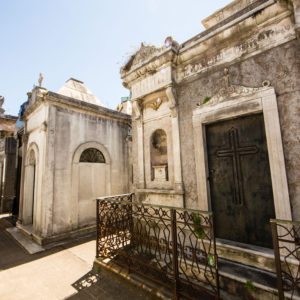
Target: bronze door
(240,181)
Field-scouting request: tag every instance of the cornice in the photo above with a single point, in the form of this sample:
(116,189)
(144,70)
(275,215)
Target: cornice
(70,103)
(58,100)
(148,67)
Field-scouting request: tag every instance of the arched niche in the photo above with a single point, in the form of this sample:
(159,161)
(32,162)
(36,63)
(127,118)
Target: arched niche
(90,179)
(159,156)
(30,185)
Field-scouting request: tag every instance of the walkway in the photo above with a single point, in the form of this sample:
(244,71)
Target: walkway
(57,273)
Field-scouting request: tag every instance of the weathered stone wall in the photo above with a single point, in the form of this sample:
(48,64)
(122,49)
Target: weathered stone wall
(8,192)
(57,130)
(73,129)
(281,66)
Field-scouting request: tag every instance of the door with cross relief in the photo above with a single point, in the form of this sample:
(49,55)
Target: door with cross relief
(240,182)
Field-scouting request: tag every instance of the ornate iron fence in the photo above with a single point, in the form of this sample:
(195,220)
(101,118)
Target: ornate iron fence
(286,242)
(174,247)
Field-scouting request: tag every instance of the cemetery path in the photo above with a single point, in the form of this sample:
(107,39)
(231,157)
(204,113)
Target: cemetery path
(63,272)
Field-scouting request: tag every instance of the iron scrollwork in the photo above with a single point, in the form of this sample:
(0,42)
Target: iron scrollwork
(160,243)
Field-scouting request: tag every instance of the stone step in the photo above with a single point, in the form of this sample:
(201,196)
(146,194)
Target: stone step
(238,281)
(245,282)
(25,241)
(253,256)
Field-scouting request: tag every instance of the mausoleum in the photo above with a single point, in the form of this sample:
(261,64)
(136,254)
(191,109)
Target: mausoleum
(74,150)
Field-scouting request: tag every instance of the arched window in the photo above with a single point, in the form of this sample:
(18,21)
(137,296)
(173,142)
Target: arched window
(159,155)
(92,155)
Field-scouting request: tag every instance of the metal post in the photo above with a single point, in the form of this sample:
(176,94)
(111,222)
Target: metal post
(175,253)
(97,227)
(277,260)
(212,233)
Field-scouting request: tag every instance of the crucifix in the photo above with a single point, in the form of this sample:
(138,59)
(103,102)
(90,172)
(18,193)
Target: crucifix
(235,151)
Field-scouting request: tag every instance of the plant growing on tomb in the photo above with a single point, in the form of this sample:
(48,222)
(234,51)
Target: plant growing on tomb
(198,228)
(250,289)
(250,286)
(206,99)
(211,260)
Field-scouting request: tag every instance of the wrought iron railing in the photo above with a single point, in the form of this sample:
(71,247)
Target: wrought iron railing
(286,242)
(174,247)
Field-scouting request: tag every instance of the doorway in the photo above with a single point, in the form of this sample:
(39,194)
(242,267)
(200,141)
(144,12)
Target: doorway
(240,181)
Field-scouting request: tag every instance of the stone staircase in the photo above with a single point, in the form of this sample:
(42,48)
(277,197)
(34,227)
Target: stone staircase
(248,275)
(247,272)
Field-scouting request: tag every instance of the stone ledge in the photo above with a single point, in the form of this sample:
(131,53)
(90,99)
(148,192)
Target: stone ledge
(153,288)
(159,191)
(25,241)
(54,240)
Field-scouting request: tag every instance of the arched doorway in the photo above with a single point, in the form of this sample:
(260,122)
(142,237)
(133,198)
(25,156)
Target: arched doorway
(30,188)
(91,179)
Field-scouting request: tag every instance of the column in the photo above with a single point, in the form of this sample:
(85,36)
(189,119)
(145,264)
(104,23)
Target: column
(175,139)
(140,143)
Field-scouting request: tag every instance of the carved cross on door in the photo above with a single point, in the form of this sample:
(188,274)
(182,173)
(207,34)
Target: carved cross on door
(235,151)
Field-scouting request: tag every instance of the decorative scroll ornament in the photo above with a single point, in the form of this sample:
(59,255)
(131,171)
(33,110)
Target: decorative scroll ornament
(137,110)
(170,92)
(156,104)
(228,90)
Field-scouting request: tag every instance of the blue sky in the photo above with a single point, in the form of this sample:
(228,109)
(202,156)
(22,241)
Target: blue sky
(85,39)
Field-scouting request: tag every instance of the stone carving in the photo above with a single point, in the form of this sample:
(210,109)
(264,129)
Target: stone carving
(296,6)
(170,92)
(137,110)
(143,54)
(227,90)
(159,156)
(267,38)
(156,104)
(152,83)
(44,126)
(41,78)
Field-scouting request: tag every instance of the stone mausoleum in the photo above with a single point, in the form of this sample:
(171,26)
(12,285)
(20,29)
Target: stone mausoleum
(74,150)
(8,149)
(216,124)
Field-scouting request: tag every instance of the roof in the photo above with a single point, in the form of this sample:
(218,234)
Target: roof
(8,123)
(76,89)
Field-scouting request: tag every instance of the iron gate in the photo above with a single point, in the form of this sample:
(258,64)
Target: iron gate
(174,247)
(286,241)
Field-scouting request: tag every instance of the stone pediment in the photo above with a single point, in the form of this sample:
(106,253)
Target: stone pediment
(227,90)
(142,55)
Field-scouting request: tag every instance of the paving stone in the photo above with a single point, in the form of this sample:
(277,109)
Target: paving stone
(51,274)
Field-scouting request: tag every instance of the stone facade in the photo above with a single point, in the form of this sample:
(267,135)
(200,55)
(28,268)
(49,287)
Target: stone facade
(60,184)
(257,42)
(246,63)
(8,150)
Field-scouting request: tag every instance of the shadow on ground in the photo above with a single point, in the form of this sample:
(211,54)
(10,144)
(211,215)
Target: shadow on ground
(12,254)
(109,287)
(103,285)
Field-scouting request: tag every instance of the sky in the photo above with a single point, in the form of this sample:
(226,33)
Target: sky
(86,39)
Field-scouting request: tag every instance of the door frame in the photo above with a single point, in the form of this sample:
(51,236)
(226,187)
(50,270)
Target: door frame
(75,177)
(250,101)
